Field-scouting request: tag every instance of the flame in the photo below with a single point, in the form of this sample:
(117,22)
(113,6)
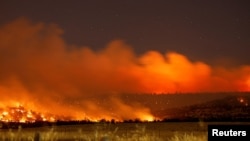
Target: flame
(20,114)
(42,73)
(146,117)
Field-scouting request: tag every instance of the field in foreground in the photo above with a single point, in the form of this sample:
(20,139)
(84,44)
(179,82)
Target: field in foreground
(159,131)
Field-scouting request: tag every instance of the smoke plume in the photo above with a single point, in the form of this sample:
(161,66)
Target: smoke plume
(42,72)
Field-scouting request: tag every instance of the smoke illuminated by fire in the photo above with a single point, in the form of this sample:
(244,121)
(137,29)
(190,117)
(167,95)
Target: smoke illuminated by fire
(46,75)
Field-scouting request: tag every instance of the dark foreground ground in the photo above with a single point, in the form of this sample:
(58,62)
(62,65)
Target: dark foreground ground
(152,131)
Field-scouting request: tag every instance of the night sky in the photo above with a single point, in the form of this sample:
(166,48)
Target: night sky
(211,31)
(91,59)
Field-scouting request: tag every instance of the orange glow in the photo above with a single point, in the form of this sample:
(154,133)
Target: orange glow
(248,84)
(147,118)
(42,73)
(20,114)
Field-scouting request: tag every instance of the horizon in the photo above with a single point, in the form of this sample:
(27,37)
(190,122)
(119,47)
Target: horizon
(80,59)
(158,109)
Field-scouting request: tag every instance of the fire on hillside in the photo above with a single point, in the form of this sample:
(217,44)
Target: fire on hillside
(22,115)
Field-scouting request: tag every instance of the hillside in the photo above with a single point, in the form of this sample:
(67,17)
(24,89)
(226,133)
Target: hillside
(231,108)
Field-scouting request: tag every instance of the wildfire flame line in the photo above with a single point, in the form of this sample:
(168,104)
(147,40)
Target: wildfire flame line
(20,114)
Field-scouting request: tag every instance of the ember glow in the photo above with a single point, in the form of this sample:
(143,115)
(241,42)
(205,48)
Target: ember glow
(20,114)
(243,101)
(51,78)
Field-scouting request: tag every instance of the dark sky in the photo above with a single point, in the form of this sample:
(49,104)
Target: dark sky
(209,31)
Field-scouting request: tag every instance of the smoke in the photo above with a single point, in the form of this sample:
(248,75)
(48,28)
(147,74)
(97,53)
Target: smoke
(44,73)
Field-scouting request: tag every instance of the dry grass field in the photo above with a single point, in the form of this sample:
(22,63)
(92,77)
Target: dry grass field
(152,131)
(167,131)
